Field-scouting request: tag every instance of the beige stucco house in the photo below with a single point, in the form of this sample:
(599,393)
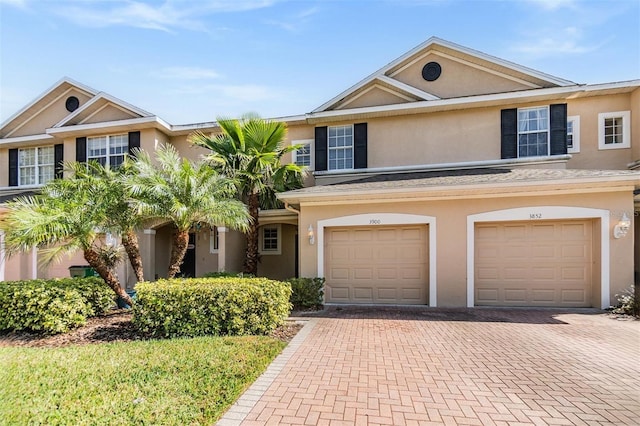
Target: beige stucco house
(448,177)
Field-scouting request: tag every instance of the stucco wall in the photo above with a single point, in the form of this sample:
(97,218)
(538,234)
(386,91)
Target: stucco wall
(451,231)
(282,266)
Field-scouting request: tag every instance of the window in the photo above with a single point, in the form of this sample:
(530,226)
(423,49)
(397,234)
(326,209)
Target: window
(573,134)
(214,240)
(36,166)
(340,144)
(533,131)
(270,239)
(614,130)
(108,149)
(303,156)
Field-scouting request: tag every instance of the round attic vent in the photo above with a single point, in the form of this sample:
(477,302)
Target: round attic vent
(431,71)
(72,103)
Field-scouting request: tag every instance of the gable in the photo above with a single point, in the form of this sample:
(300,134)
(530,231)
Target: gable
(461,72)
(44,113)
(375,95)
(458,78)
(108,112)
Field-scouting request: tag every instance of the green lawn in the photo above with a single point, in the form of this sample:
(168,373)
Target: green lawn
(168,382)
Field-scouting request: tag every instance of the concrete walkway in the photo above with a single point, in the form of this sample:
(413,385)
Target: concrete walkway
(414,366)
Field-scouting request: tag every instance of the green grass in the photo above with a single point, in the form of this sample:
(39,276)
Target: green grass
(168,382)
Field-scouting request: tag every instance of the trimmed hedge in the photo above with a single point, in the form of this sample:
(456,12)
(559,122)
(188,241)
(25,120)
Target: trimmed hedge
(306,292)
(52,306)
(211,306)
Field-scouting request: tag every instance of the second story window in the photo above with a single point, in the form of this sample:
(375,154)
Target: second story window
(108,149)
(573,134)
(533,131)
(303,156)
(340,145)
(36,165)
(614,130)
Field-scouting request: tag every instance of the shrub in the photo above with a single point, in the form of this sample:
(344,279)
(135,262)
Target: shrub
(307,292)
(97,295)
(52,306)
(211,306)
(628,302)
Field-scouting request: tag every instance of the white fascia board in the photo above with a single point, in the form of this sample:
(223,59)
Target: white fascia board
(406,88)
(213,125)
(108,125)
(468,191)
(24,139)
(454,103)
(63,80)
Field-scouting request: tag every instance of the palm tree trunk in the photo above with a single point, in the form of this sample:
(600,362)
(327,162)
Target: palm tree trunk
(132,247)
(178,250)
(107,274)
(251,259)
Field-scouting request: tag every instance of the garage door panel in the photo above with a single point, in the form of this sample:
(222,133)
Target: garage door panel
(534,263)
(573,296)
(379,264)
(515,295)
(543,296)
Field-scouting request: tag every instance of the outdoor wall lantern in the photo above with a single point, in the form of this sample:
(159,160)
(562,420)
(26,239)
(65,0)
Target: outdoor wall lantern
(311,235)
(622,227)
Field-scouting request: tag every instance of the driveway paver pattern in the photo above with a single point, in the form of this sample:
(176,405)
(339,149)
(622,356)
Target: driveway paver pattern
(420,366)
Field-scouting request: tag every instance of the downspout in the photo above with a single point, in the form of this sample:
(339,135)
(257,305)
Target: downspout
(291,209)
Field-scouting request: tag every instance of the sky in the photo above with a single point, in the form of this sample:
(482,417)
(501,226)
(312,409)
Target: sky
(190,61)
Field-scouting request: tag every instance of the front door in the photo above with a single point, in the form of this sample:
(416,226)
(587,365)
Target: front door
(188,267)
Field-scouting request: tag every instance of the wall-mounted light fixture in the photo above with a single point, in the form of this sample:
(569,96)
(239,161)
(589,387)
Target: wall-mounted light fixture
(311,235)
(622,228)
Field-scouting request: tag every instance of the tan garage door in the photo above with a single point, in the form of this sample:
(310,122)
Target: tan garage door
(377,264)
(546,263)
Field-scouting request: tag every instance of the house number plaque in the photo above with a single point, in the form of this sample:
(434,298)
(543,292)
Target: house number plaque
(375,222)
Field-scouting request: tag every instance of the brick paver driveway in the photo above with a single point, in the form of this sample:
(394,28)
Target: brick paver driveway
(398,366)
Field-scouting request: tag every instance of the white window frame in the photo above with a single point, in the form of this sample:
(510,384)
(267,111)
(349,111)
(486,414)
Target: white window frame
(626,129)
(214,240)
(546,107)
(36,166)
(108,154)
(276,251)
(575,120)
(342,148)
(294,154)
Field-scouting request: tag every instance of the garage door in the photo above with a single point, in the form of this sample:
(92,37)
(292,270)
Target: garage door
(547,263)
(377,264)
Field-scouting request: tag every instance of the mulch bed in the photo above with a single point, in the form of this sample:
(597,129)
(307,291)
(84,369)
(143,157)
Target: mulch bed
(115,326)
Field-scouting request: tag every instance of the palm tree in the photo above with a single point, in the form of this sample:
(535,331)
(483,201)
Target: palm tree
(186,194)
(250,151)
(66,216)
(120,215)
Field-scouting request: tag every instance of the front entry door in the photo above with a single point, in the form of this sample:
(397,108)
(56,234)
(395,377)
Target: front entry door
(188,267)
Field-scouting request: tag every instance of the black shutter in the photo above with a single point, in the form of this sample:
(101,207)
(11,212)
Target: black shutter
(509,133)
(81,150)
(360,146)
(134,141)
(13,167)
(321,148)
(58,159)
(558,127)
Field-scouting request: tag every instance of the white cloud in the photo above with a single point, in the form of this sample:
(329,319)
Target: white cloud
(295,22)
(567,40)
(166,16)
(187,73)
